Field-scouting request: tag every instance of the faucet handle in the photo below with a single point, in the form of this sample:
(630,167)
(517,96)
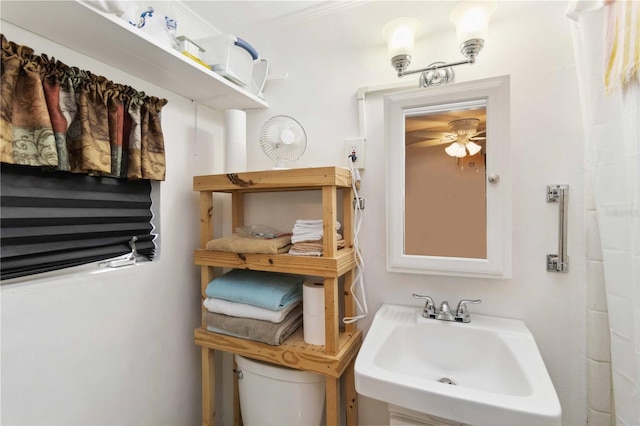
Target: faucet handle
(462,313)
(429,310)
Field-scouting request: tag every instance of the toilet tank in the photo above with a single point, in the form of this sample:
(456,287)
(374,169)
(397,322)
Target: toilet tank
(272,395)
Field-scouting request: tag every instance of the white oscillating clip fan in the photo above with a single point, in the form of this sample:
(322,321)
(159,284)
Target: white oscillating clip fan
(283,140)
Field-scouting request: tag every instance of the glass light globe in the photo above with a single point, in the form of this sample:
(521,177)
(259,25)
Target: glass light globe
(400,34)
(456,149)
(471,19)
(473,148)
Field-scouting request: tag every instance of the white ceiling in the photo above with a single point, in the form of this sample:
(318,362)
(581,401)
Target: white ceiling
(251,18)
(235,17)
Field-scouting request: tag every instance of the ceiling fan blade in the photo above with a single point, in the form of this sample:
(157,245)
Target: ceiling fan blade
(425,143)
(428,134)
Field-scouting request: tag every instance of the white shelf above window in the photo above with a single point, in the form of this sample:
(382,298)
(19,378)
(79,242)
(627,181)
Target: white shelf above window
(109,39)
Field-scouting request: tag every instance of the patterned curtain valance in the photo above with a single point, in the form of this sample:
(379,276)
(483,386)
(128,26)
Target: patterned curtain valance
(63,118)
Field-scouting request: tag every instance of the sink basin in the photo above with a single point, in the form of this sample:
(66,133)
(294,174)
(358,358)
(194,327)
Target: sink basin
(486,372)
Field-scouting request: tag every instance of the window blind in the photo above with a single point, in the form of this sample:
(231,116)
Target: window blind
(54,220)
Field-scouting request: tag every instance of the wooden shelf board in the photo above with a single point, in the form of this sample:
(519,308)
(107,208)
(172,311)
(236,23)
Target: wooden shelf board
(285,263)
(275,180)
(294,352)
(109,39)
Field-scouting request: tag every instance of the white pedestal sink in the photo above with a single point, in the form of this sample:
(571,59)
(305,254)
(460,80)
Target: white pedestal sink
(486,372)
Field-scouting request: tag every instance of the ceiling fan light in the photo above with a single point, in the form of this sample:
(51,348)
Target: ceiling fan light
(473,148)
(451,149)
(456,150)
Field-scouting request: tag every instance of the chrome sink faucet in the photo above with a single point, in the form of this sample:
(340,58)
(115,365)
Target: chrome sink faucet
(444,312)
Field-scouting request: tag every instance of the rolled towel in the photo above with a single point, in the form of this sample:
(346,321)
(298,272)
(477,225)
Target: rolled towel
(242,310)
(261,331)
(269,290)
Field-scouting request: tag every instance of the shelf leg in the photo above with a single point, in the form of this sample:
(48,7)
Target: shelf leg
(237,210)
(329,218)
(349,301)
(348,235)
(351,395)
(237,415)
(347,216)
(206,218)
(331,315)
(332,392)
(208,388)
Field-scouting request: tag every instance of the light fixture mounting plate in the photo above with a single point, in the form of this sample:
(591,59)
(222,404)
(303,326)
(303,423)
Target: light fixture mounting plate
(438,75)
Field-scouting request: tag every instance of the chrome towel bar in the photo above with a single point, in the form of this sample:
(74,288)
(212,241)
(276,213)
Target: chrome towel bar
(559,194)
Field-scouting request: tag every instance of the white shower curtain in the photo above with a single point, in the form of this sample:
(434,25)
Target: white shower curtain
(612,128)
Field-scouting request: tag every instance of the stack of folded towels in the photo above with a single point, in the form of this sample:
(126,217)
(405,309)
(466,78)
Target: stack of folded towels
(261,306)
(307,238)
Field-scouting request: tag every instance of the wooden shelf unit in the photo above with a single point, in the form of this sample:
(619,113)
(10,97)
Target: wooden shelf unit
(335,359)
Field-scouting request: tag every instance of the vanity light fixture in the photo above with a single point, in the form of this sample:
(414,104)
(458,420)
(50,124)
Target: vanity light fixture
(464,132)
(471,19)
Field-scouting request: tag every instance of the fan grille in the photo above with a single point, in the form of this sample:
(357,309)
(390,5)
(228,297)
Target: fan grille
(283,139)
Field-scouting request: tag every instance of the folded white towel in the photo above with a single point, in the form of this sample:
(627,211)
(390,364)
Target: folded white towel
(307,236)
(304,228)
(311,224)
(243,310)
(308,230)
(308,221)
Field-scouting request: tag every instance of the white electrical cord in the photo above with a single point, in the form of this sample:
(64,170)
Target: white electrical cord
(359,277)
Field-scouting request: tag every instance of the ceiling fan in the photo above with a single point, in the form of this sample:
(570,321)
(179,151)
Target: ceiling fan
(462,135)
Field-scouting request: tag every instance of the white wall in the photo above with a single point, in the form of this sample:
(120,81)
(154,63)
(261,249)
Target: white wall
(330,57)
(116,347)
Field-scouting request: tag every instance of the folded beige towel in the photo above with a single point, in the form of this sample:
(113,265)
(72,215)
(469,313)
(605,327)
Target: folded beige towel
(239,244)
(258,330)
(311,248)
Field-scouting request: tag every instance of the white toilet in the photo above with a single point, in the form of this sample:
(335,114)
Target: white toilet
(277,396)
